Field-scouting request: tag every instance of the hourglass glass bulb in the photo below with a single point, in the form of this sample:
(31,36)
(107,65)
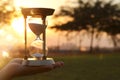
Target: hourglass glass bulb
(36,28)
(36,49)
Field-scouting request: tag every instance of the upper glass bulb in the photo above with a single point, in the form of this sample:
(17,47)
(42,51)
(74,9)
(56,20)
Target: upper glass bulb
(36,47)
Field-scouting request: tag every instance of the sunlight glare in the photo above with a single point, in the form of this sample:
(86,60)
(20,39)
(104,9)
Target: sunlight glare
(83,49)
(38,3)
(33,3)
(5,54)
(18,25)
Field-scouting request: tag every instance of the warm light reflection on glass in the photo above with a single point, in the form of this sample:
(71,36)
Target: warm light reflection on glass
(34,20)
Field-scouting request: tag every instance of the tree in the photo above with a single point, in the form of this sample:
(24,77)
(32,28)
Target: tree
(113,29)
(111,21)
(92,17)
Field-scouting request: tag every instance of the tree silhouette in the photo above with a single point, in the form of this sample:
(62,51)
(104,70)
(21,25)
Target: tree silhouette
(111,21)
(113,29)
(99,16)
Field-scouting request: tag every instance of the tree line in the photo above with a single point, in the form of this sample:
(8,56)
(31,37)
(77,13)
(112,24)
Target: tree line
(97,17)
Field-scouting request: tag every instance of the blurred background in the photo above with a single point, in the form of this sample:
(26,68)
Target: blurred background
(85,34)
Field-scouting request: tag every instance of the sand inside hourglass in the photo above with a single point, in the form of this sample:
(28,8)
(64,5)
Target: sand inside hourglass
(37,28)
(36,49)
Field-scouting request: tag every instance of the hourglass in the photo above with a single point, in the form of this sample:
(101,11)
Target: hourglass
(36,20)
(36,47)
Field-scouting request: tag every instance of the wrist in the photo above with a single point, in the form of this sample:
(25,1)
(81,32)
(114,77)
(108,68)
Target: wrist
(4,75)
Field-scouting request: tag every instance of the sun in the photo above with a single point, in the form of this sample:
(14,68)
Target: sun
(18,25)
(5,54)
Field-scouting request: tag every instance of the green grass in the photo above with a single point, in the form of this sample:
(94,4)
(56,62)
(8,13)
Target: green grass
(83,67)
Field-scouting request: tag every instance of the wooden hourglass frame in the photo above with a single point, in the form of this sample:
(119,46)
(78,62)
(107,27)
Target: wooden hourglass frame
(40,13)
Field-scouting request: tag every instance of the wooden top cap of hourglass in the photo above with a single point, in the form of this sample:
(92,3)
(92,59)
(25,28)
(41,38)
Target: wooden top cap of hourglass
(43,12)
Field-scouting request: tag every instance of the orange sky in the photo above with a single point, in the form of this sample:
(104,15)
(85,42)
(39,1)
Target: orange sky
(9,37)
(39,3)
(52,37)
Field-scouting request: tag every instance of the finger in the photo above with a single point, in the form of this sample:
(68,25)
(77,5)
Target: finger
(27,70)
(16,60)
(58,64)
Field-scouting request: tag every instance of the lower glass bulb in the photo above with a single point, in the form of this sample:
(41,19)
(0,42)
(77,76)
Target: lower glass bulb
(36,49)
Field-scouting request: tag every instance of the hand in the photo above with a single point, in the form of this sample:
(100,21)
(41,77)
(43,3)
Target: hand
(15,68)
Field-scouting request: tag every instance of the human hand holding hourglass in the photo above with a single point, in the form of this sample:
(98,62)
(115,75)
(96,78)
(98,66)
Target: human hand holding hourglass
(22,67)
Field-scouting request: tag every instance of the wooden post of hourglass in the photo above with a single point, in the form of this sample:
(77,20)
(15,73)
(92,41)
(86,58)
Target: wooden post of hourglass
(25,37)
(44,38)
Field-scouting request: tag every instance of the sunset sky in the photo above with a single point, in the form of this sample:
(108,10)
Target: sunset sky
(48,3)
(39,3)
(54,38)
(14,36)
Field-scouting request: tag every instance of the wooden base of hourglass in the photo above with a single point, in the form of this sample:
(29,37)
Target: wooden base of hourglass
(34,62)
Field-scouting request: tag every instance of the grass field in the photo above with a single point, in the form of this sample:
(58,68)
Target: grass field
(83,67)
